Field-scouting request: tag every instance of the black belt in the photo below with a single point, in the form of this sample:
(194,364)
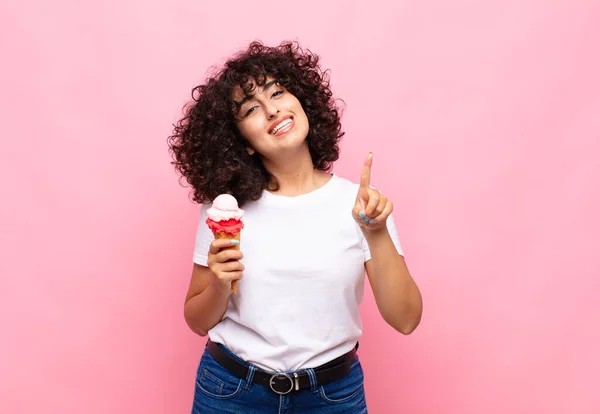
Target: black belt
(282,383)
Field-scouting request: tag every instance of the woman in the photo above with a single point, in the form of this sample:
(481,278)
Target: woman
(266,129)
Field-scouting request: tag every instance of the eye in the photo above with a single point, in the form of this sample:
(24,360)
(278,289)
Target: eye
(250,111)
(277,93)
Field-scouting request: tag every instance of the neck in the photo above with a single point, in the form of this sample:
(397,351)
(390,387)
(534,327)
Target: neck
(296,175)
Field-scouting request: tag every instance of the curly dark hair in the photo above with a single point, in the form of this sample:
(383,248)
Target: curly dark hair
(206,145)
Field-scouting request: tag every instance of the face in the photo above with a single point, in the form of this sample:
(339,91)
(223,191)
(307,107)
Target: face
(272,120)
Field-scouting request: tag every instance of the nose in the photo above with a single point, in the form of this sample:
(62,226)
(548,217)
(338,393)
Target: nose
(271,111)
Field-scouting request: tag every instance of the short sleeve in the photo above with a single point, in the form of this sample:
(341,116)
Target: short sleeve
(204,238)
(391,225)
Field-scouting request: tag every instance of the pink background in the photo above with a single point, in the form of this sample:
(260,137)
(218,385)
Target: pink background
(484,118)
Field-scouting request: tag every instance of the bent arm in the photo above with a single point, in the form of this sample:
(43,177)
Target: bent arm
(205,302)
(397,296)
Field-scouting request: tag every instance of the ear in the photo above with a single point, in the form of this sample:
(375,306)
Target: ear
(250,150)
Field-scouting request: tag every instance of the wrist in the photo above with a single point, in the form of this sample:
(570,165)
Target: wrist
(375,234)
(219,288)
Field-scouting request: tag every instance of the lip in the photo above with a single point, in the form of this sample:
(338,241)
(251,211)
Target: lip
(279,121)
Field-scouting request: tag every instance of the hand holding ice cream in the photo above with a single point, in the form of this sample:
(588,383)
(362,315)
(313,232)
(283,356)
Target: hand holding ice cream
(225,221)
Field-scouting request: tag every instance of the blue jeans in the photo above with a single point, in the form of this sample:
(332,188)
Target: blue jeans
(220,392)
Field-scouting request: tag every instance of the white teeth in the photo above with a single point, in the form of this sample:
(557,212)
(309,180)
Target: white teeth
(281,125)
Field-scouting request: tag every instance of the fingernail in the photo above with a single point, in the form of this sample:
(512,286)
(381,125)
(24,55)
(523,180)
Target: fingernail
(371,221)
(361,214)
(235,242)
(365,219)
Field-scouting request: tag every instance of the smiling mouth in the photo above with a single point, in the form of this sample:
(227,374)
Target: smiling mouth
(283,127)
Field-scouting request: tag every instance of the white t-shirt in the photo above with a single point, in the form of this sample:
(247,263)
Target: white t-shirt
(297,305)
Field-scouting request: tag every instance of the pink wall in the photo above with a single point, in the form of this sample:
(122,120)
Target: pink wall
(484,118)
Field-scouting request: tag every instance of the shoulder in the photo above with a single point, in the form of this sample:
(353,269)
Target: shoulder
(204,207)
(340,192)
(345,186)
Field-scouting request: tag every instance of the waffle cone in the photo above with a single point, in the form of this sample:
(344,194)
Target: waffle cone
(220,235)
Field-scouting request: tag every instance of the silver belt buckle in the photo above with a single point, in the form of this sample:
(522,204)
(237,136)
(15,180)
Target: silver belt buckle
(281,376)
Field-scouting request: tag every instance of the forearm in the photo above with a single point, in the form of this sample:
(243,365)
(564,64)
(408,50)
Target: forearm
(206,309)
(396,293)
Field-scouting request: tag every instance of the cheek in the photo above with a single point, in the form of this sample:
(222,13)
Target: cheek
(302,113)
(250,131)
(305,122)
(243,130)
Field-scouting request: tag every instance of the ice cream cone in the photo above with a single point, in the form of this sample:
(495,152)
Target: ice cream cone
(221,235)
(224,219)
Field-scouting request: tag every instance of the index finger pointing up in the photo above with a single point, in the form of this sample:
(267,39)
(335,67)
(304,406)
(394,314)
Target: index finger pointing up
(365,176)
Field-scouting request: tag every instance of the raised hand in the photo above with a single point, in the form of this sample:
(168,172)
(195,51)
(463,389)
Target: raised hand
(371,208)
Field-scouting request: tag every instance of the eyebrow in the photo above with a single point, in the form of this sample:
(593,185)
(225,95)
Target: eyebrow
(267,86)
